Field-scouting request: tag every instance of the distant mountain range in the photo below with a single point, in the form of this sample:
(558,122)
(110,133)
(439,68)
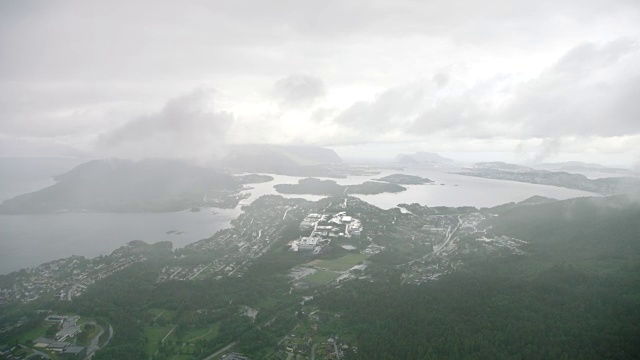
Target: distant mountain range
(423,158)
(264,158)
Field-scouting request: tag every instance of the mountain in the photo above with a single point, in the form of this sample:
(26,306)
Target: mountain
(423,158)
(262,157)
(283,160)
(534,200)
(114,185)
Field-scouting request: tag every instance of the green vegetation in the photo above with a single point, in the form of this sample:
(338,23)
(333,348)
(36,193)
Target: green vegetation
(405,179)
(341,264)
(321,277)
(574,293)
(154,335)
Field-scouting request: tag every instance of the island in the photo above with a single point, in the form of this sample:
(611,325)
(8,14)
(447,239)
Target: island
(253,178)
(313,186)
(404,179)
(116,185)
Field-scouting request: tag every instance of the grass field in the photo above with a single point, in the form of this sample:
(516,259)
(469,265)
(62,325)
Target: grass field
(340,264)
(154,334)
(202,334)
(33,334)
(321,277)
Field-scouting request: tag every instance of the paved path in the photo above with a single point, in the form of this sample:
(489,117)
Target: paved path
(219,352)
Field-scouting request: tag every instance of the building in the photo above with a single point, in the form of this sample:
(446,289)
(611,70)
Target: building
(74,352)
(57,346)
(69,329)
(308,243)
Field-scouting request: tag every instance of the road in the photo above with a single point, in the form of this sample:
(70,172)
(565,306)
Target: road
(313,351)
(93,346)
(95,342)
(73,288)
(449,237)
(169,333)
(219,352)
(285,213)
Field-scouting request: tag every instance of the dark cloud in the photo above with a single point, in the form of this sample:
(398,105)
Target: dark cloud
(185,127)
(299,90)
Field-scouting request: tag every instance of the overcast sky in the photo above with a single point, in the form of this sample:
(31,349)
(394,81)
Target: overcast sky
(543,80)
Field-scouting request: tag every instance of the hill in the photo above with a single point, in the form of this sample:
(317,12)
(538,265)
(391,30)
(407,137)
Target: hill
(114,185)
(283,160)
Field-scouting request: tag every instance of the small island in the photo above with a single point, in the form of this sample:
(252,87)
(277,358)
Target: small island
(405,179)
(313,186)
(253,178)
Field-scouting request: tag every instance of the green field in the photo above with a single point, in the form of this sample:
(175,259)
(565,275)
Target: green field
(340,264)
(202,334)
(26,338)
(321,277)
(154,335)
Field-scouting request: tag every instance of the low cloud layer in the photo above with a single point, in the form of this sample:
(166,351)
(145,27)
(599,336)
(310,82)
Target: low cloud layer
(185,127)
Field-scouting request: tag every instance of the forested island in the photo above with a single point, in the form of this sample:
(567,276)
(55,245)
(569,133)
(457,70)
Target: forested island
(405,179)
(314,186)
(115,185)
(253,178)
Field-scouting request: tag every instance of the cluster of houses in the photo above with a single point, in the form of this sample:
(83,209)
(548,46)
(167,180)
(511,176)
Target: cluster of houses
(324,227)
(59,344)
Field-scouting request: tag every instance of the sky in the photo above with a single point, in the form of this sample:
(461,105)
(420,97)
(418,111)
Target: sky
(518,81)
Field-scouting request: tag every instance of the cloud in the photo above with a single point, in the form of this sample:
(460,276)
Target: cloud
(185,127)
(299,90)
(587,92)
(391,109)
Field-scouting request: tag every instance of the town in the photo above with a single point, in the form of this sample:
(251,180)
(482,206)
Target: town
(70,277)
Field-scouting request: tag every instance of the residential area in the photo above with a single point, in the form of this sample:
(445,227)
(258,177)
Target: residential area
(69,277)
